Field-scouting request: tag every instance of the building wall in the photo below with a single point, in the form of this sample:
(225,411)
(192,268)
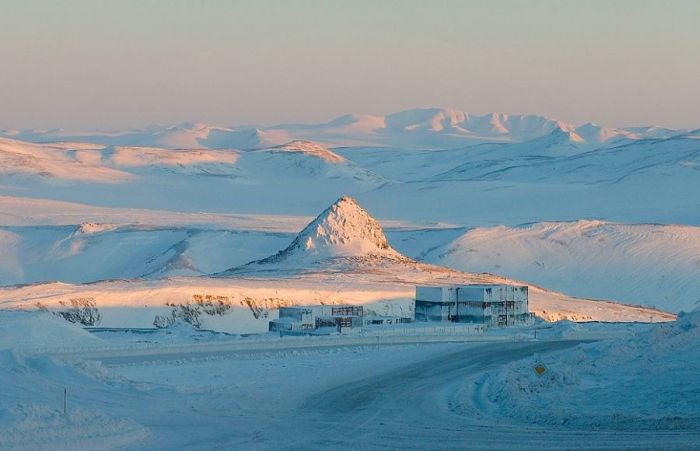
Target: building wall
(490,305)
(432,311)
(308,318)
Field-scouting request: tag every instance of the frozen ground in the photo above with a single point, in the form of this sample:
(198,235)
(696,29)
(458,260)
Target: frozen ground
(408,396)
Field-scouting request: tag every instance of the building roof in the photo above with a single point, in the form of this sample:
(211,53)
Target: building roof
(474,285)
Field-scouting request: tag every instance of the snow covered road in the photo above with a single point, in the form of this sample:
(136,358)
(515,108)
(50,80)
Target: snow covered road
(410,408)
(370,397)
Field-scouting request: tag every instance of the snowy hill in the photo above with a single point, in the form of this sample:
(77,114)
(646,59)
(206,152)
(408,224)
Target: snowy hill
(654,265)
(343,230)
(98,251)
(77,162)
(672,157)
(90,163)
(441,128)
(180,136)
(194,180)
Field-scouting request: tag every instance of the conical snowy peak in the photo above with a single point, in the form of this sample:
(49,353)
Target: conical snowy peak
(343,230)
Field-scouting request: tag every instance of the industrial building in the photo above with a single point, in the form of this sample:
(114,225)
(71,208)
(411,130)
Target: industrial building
(485,304)
(317,319)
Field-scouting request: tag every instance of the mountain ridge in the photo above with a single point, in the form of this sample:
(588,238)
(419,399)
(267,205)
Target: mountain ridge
(426,127)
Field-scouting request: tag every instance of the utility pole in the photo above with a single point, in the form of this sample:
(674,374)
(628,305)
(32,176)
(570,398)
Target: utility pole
(65,397)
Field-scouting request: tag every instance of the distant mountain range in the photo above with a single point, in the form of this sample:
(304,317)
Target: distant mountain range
(433,128)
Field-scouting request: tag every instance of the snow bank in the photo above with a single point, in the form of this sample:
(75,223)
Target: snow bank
(40,427)
(31,412)
(651,376)
(40,329)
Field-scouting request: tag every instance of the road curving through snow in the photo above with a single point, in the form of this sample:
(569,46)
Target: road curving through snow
(410,408)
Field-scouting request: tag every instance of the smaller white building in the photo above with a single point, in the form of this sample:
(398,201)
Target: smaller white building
(489,305)
(317,319)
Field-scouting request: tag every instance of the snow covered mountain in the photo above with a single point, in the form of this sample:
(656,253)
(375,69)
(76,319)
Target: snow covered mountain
(342,231)
(441,128)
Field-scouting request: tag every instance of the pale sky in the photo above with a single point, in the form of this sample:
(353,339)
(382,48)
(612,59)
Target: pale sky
(123,63)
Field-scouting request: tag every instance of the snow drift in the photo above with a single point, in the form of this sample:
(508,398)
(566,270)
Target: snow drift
(652,374)
(41,329)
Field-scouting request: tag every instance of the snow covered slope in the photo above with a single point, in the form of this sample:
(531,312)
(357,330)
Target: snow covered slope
(41,330)
(654,265)
(654,372)
(646,181)
(658,158)
(91,252)
(31,412)
(75,162)
(84,162)
(249,300)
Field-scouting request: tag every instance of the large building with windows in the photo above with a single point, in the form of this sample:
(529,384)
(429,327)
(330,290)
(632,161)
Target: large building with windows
(485,304)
